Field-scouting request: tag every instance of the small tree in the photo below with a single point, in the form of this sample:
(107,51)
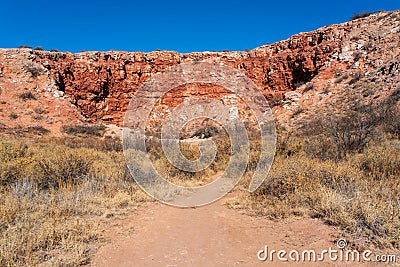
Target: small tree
(388,112)
(350,132)
(337,135)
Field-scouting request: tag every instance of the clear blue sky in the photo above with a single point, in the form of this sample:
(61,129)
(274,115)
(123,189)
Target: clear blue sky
(183,26)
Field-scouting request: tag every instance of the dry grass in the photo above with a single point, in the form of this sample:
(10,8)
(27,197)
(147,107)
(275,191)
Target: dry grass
(57,192)
(190,151)
(345,175)
(84,130)
(54,199)
(360,194)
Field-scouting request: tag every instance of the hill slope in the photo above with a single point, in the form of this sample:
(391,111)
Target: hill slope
(327,67)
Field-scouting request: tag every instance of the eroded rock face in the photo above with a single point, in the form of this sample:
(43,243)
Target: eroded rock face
(328,70)
(101,84)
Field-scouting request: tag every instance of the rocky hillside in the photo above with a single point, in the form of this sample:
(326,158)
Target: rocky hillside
(328,68)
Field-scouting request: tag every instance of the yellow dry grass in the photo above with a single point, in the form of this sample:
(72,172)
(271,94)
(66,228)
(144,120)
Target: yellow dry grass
(360,194)
(54,199)
(56,194)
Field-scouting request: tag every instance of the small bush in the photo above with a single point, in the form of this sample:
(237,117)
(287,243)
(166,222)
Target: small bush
(350,133)
(39,48)
(389,117)
(381,162)
(40,111)
(38,130)
(342,78)
(340,135)
(298,111)
(13,116)
(87,130)
(298,84)
(274,101)
(27,96)
(64,167)
(356,78)
(357,55)
(33,70)
(395,95)
(309,86)
(287,145)
(321,147)
(37,117)
(325,91)
(363,15)
(25,46)
(206,132)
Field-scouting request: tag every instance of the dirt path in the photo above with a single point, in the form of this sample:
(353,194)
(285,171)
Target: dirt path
(214,235)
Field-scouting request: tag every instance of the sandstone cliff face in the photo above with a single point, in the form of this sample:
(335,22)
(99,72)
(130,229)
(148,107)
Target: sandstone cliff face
(308,74)
(101,84)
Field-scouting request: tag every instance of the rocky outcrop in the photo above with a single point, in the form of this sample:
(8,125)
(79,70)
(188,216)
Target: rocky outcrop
(101,84)
(331,68)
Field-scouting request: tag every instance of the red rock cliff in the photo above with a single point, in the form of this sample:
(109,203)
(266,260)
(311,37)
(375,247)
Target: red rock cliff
(101,84)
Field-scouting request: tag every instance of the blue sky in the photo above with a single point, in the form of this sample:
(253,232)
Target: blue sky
(183,26)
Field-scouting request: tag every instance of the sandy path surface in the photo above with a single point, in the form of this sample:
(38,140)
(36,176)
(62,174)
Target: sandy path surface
(214,235)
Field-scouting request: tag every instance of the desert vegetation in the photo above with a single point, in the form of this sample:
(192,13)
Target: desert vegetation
(363,14)
(84,130)
(342,168)
(55,194)
(33,70)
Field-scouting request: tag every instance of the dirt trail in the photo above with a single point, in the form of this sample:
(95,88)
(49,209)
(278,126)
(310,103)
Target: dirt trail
(214,235)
